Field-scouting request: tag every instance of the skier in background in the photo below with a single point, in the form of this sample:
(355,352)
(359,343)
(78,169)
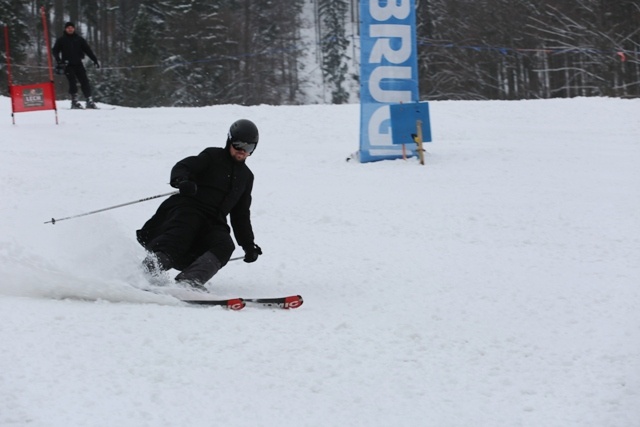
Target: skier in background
(69,51)
(189,231)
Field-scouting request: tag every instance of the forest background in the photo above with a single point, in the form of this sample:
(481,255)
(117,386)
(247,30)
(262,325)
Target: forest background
(249,52)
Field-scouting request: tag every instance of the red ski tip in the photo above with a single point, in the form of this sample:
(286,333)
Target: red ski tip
(236,304)
(293,302)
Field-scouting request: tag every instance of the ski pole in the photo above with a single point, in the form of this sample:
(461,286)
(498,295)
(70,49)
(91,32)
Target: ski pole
(53,220)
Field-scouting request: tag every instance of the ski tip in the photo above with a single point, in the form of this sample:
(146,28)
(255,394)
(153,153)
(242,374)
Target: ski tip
(293,301)
(236,304)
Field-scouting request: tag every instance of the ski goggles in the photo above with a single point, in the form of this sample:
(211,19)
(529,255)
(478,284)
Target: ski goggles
(247,147)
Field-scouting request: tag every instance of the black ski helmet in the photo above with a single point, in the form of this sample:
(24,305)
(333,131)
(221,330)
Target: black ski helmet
(243,130)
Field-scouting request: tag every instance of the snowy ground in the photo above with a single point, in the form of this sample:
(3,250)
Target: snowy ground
(496,286)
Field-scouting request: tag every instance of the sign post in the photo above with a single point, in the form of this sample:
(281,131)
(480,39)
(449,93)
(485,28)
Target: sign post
(32,97)
(410,124)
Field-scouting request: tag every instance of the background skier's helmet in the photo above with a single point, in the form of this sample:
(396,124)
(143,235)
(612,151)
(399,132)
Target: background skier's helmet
(243,132)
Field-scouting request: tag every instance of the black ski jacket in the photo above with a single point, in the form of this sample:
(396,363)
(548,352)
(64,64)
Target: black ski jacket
(73,48)
(224,188)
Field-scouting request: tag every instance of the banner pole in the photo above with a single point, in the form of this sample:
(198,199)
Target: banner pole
(9,77)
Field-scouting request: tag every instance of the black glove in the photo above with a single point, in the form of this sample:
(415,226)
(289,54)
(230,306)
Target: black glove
(251,253)
(60,68)
(186,187)
(96,63)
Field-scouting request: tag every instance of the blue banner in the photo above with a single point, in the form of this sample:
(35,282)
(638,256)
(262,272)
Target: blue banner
(388,73)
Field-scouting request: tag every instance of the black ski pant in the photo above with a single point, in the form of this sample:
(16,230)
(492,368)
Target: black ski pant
(187,233)
(77,73)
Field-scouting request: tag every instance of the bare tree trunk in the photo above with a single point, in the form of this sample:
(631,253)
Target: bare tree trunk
(74,10)
(58,16)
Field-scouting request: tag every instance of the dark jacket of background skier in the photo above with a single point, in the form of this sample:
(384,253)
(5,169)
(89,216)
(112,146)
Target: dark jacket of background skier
(224,188)
(72,48)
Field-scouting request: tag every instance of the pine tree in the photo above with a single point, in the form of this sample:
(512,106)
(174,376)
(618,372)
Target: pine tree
(269,51)
(194,38)
(144,83)
(334,47)
(13,14)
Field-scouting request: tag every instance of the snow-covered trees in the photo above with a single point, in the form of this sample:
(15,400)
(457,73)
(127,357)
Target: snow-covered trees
(517,49)
(193,52)
(180,52)
(334,44)
(14,14)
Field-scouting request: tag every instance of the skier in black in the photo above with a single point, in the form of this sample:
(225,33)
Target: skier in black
(73,48)
(189,231)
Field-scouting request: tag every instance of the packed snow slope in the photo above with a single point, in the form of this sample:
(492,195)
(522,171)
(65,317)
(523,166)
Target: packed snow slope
(498,285)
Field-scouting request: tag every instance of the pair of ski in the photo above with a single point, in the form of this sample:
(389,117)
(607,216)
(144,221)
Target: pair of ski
(290,302)
(84,108)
